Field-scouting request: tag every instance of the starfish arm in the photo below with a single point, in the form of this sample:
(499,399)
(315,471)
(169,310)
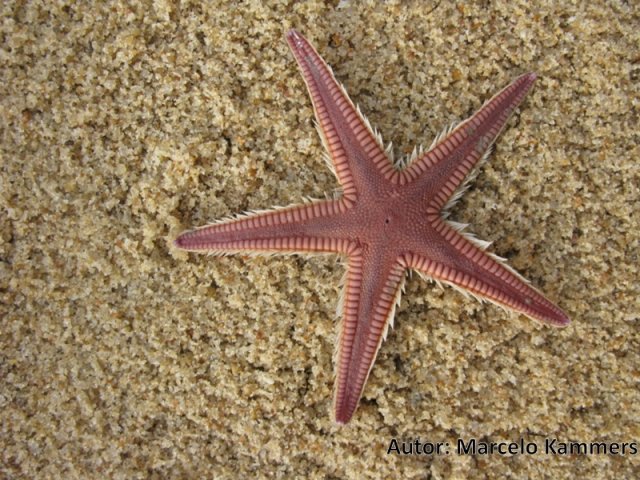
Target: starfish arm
(465,265)
(372,289)
(296,228)
(454,158)
(346,134)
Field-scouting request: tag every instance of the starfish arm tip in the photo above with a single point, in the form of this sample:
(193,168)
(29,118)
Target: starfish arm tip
(184,241)
(550,314)
(179,242)
(293,35)
(529,79)
(342,416)
(563,320)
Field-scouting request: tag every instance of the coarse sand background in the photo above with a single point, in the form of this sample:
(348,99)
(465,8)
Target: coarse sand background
(123,124)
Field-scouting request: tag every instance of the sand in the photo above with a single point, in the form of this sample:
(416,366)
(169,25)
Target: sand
(121,357)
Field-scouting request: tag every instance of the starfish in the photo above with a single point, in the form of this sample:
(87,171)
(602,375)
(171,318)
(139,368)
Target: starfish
(388,218)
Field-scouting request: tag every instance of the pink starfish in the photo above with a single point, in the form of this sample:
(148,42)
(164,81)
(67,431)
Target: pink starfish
(389,218)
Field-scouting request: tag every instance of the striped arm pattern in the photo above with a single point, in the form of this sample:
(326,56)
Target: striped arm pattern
(296,228)
(347,135)
(371,292)
(453,158)
(470,269)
